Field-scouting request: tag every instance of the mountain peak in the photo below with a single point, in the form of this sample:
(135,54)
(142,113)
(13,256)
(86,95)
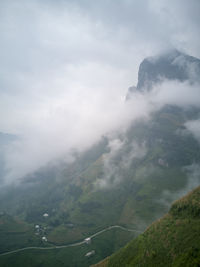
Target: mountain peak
(172,65)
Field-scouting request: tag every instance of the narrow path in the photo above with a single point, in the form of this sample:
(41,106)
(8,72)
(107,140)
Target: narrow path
(74,244)
(114,226)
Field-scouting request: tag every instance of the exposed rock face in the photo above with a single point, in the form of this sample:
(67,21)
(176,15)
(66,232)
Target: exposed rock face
(173,65)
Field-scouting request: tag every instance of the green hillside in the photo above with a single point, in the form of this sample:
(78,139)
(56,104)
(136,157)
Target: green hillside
(15,234)
(77,208)
(129,179)
(173,240)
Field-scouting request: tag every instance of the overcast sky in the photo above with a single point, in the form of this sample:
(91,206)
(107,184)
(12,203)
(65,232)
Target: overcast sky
(65,67)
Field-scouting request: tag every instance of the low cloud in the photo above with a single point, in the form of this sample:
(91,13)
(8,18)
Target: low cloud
(181,94)
(65,69)
(194,128)
(78,119)
(193,180)
(70,126)
(119,158)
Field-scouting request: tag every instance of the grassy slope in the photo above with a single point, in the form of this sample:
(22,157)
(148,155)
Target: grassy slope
(174,240)
(103,245)
(16,234)
(69,196)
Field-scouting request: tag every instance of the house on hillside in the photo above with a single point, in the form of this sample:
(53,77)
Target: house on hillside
(87,240)
(44,239)
(90,253)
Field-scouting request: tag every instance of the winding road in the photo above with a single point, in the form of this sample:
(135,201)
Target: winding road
(74,244)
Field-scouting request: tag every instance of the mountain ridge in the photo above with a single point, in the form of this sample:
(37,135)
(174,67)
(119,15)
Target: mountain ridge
(129,179)
(172,65)
(172,240)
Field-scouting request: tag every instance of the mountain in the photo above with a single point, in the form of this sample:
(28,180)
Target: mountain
(173,240)
(15,233)
(172,65)
(128,179)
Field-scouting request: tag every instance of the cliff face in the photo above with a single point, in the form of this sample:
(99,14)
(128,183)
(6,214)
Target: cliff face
(173,65)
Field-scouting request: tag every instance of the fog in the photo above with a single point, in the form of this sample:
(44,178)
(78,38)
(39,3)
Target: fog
(193,179)
(194,127)
(119,158)
(66,66)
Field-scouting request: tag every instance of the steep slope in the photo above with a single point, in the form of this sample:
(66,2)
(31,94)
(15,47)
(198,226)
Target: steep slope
(173,65)
(129,179)
(90,195)
(136,194)
(174,240)
(15,233)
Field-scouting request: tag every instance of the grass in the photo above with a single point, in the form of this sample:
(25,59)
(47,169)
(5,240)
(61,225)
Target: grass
(65,235)
(16,234)
(103,245)
(68,193)
(174,240)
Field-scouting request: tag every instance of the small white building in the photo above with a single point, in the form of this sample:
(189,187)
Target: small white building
(44,238)
(87,240)
(45,215)
(90,253)
(37,226)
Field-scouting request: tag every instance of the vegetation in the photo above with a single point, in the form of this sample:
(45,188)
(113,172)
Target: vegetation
(173,240)
(15,234)
(130,189)
(103,245)
(78,209)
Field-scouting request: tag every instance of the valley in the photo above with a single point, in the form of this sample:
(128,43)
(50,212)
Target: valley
(109,193)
